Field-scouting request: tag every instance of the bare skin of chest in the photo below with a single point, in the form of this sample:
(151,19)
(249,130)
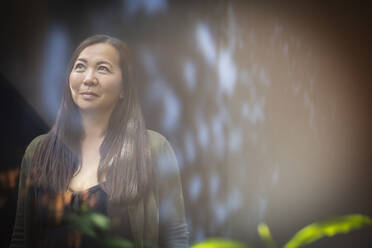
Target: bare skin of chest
(87,176)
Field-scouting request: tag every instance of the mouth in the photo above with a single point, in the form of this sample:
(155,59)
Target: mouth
(88,93)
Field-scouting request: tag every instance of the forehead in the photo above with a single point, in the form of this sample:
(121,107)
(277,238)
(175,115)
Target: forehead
(100,51)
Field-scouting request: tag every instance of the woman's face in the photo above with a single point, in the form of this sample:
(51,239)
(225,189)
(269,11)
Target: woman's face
(96,79)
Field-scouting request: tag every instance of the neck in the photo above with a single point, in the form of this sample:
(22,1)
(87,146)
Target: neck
(94,124)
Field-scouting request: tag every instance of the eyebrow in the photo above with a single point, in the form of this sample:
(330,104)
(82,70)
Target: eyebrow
(99,62)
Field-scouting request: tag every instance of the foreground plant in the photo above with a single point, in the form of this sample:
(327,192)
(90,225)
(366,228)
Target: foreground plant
(97,227)
(329,228)
(307,235)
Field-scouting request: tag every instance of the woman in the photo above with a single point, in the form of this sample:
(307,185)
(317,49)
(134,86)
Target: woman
(99,154)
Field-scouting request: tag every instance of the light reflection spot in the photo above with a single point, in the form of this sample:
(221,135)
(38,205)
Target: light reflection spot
(206,43)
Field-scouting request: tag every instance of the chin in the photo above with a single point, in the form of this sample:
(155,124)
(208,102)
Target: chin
(88,107)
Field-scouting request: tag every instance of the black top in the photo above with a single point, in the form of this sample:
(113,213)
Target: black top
(52,211)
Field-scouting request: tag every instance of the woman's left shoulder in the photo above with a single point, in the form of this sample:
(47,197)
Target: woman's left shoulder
(163,156)
(156,141)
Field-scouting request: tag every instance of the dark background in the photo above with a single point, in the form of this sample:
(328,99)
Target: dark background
(267,105)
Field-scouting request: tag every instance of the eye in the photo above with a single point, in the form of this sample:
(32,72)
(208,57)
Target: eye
(103,68)
(79,66)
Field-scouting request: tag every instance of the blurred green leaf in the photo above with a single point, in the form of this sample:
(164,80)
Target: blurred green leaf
(117,243)
(265,235)
(96,226)
(220,243)
(82,224)
(329,228)
(89,222)
(149,245)
(100,221)
(84,208)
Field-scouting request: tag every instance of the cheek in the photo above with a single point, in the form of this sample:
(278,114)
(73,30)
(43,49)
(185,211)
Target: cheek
(115,86)
(113,93)
(74,85)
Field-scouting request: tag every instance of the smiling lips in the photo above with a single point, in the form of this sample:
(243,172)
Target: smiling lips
(88,95)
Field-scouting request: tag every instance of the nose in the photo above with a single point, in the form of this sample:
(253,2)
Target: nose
(90,79)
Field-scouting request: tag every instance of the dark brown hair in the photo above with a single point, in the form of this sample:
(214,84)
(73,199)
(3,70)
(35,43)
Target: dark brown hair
(125,155)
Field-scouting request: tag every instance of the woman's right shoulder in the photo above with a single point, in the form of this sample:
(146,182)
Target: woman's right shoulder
(33,144)
(29,153)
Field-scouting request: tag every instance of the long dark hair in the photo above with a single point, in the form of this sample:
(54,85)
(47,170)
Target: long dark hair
(125,155)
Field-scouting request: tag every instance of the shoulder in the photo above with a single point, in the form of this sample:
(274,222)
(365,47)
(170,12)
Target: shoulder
(156,140)
(163,157)
(159,145)
(29,153)
(33,144)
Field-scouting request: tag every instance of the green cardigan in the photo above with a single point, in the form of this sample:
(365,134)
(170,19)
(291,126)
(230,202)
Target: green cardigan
(157,219)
